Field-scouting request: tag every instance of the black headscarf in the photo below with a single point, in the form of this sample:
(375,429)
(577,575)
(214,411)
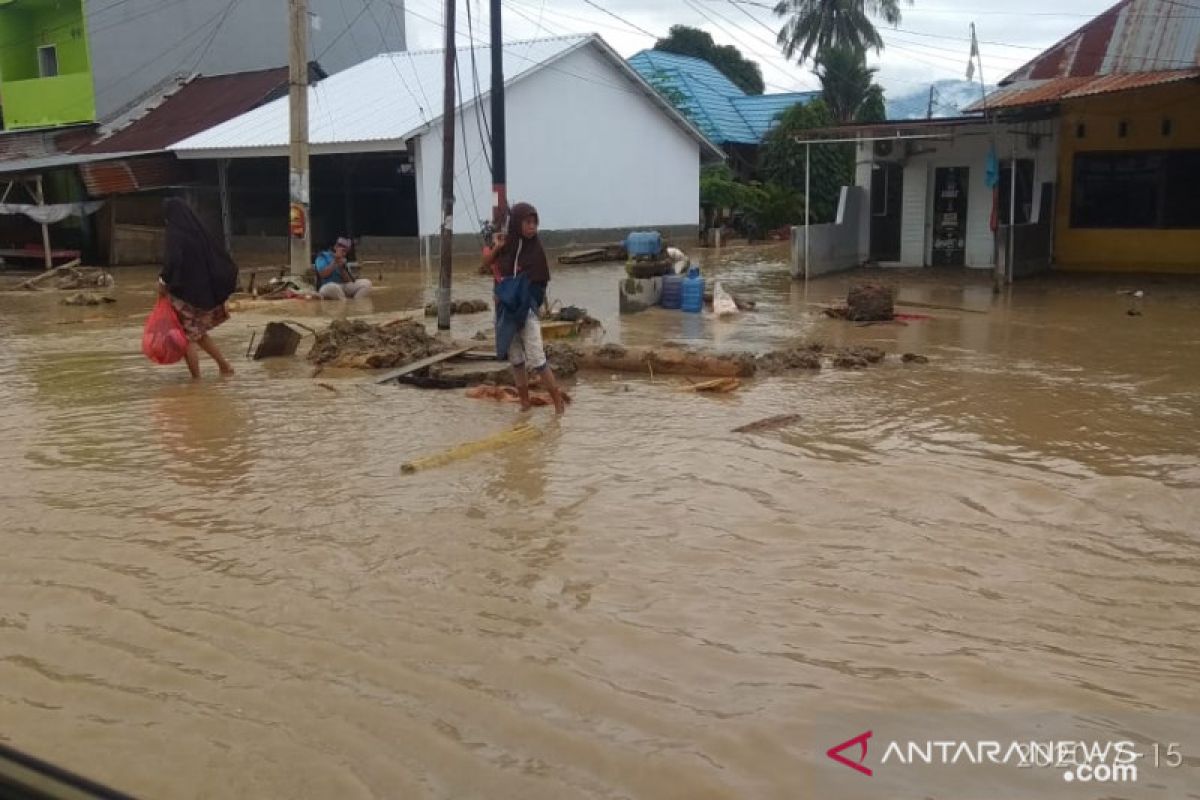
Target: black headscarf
(531,256)
(196,268)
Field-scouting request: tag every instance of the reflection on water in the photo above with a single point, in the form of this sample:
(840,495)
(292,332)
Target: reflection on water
(204,434)
(235,577)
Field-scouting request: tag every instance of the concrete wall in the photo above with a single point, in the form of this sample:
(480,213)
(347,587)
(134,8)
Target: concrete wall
(837,246)
(1144,110)
(137,44)
(585,146)
(966,147)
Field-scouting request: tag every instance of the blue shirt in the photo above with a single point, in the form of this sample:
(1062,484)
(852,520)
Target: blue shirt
(323,261)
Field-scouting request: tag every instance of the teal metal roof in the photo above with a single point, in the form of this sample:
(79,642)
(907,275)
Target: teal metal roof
(761,111)
(722,111)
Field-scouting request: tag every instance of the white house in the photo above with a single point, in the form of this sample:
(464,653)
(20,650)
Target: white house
(590,143)
(922,196)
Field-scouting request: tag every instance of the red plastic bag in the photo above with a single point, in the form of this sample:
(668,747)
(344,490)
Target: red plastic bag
(163,340)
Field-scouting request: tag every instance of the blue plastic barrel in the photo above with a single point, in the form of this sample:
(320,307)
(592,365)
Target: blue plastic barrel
(693,292)
(643,244)
(672,292)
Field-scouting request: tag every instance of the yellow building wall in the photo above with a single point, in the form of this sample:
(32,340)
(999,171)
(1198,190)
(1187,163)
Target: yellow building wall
(1136,249)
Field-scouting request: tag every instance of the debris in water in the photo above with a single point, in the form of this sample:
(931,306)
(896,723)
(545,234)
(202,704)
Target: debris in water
(913,358)
(563,359)
(664,360)
(806,356)
(521,433)
(86,299)
(720,385)
(279,339)
(768,424)
(871,302)
(508,394)
(846,360)
(460,307)
(361,345)
(872,355)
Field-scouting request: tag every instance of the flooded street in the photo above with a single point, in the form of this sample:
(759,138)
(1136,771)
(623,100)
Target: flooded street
(228,589)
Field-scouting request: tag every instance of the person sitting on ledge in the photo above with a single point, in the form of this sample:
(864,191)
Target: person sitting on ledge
(335,281)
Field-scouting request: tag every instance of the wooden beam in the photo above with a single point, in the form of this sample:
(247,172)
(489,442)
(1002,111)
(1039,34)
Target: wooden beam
(408,369)
(41,201)
(521,433)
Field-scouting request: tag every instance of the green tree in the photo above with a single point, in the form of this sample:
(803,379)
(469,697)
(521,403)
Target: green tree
(848,87)
(771,206)
(874,107)
(687,41)
(719,189)
(782,159)
(813,26)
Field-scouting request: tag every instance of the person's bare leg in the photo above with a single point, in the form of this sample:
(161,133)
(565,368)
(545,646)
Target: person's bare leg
(210,347)
(548,380)
(192,357)
(521,379)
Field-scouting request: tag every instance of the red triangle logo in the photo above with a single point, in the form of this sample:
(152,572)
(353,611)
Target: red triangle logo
(835,753)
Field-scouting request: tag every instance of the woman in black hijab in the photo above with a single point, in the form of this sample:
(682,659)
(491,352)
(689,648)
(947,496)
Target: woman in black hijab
(198,276)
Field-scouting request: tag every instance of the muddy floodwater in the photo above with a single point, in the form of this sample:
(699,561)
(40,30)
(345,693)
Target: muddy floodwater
(228,588)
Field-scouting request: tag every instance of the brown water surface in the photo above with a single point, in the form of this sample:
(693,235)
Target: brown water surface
(227,588)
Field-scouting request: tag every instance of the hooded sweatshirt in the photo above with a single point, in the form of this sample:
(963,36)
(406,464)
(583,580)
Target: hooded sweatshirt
(519,252)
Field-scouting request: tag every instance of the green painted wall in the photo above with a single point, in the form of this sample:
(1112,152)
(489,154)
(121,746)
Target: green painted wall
(18,58)
(31,101)
(49,101)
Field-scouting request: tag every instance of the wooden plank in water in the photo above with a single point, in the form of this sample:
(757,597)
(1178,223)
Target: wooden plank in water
(584,256)
(915,304)
(522,433)
(408,369)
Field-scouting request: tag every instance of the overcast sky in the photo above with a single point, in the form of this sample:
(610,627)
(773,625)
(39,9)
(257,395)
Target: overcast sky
(931,43)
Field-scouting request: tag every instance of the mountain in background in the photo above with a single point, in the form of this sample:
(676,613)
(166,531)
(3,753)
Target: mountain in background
(950,97)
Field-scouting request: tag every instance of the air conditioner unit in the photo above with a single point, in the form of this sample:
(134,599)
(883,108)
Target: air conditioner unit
(884,148)
(914,148)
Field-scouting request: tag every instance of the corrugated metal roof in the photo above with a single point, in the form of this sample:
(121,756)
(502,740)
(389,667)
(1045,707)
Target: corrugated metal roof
(390,98)
(1042,92)
(762,111)
(1148,42)
(724,112)
(196,106)
(29,165)
(1132,36)
(133,175)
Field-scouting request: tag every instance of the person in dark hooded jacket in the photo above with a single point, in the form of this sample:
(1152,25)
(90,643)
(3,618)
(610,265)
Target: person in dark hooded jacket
(198,276)
(518,255)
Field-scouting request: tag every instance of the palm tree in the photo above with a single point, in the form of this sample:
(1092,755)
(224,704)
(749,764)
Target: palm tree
(847,83)
(815,25)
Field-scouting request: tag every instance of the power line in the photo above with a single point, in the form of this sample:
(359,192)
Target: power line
(748,49)
(636,27)
(345,30)
(216,31)
(590,22)
(399,74)
(481,124)
(972,12)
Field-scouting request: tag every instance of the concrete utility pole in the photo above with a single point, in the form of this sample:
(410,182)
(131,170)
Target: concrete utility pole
(299,229)
(445,273)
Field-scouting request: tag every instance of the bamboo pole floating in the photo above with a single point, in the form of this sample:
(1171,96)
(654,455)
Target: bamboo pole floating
(521,433)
